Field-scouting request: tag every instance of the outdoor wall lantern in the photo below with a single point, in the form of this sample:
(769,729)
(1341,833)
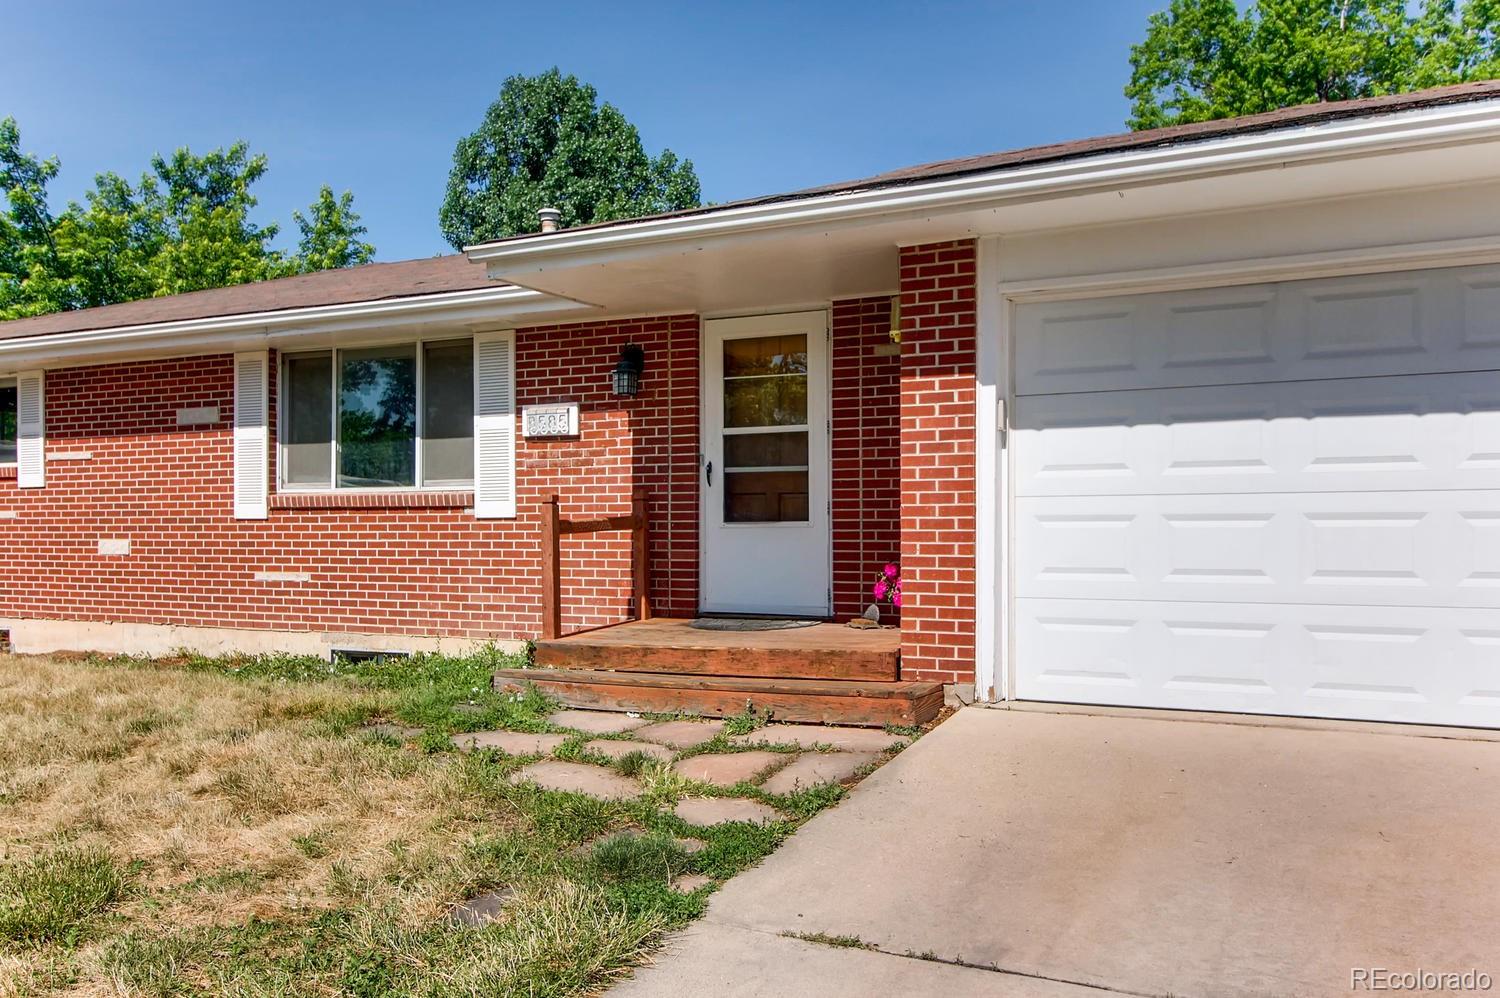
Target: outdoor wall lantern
(627,376)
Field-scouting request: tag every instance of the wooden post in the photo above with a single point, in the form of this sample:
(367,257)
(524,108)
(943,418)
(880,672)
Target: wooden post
(640,555)
(551,569)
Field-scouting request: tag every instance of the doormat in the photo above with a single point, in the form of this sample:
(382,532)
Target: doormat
(748,624)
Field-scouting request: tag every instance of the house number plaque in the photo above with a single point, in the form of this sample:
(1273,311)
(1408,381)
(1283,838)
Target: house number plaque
(556,420)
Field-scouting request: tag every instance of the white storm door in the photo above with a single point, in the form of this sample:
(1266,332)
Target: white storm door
(765,471)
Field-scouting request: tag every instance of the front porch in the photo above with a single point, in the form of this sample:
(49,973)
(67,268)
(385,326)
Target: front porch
(809,452)
(822,673)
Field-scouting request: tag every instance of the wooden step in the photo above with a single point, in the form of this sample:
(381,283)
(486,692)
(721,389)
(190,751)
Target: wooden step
(673,646)
(811,700)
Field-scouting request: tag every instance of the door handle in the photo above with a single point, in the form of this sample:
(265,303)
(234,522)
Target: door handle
(709,471)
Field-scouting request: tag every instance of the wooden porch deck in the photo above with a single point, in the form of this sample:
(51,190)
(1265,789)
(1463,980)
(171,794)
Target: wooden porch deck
(673,645)
(828,673)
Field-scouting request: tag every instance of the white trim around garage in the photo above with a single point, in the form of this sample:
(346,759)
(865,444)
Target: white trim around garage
(995,526)
(992,481)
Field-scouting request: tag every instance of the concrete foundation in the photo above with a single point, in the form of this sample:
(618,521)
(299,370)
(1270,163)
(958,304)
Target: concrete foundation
(29,636)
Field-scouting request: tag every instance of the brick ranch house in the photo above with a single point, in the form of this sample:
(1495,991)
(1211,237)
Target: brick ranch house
(1206,417)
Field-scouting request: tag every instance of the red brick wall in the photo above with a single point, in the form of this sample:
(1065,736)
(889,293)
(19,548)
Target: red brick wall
(380,567)
(418,562)
(866,450)
(938,324)
(649,442)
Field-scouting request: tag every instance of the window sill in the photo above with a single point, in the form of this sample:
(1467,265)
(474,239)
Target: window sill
(372,500)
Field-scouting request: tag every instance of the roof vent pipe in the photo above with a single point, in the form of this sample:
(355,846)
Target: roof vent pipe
(551,219)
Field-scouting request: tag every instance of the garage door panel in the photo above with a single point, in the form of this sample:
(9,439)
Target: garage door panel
(1369,320)
(1427,431)
(1272,498)
(1428,665)
(1479,303)
(1389,324)
(1388,549)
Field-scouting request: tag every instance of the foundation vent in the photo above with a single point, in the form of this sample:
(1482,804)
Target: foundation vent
(366,655)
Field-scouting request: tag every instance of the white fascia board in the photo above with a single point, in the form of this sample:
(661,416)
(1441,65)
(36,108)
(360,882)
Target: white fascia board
(1355,137)
(187,336)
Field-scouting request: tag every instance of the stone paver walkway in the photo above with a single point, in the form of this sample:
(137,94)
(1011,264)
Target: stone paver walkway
(789,771)
(727,770)
(717,810)
(687,883)
(616,748)
(481,910)
(808,735)
(579,777)
(596,722)
(817,767)
(509,742)
(680,734)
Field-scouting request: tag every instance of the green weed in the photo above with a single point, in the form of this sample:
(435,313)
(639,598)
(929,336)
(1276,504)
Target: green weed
(56,896)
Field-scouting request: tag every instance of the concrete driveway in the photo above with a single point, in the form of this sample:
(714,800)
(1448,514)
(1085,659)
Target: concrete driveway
(1023,853)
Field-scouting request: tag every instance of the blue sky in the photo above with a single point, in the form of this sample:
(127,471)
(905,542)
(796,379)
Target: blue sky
(763,97)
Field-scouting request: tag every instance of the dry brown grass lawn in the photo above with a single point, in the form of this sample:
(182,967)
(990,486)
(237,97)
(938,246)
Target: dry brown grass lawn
(267,850)
(198,776)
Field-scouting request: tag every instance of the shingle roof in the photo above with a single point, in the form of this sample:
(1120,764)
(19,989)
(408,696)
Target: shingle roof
(1289,117)
(369,282)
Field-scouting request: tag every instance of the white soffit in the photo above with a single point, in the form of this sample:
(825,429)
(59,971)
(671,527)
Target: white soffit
(842,245)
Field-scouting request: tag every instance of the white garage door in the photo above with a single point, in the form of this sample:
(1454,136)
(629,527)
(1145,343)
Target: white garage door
(1274,499)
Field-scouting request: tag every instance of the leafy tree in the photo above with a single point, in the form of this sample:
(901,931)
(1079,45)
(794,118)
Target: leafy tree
(546,141)
(26,242)
(331,236)
(1206,59)
(185,226)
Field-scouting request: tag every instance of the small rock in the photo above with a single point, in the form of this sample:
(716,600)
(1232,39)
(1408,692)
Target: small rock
(396,731)
(616,749)
(687,883)
(727,770)
(691,846)
(481,910)
(817,767)
(595,722)
(579,778)
(509,742)
(680,734)
(808,735)
(717,810)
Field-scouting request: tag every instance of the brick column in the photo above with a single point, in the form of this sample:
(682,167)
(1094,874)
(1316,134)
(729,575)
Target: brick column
(938,330)
(866,450)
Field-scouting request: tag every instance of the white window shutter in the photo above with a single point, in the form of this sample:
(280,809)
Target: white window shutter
(31,435)
(495,425)
(251,448)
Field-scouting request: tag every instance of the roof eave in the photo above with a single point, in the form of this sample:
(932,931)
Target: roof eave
(1402,130)
(491,306)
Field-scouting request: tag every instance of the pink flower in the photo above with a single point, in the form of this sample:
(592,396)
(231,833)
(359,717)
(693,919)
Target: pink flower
(880,589)
(891,569)
(896,599)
